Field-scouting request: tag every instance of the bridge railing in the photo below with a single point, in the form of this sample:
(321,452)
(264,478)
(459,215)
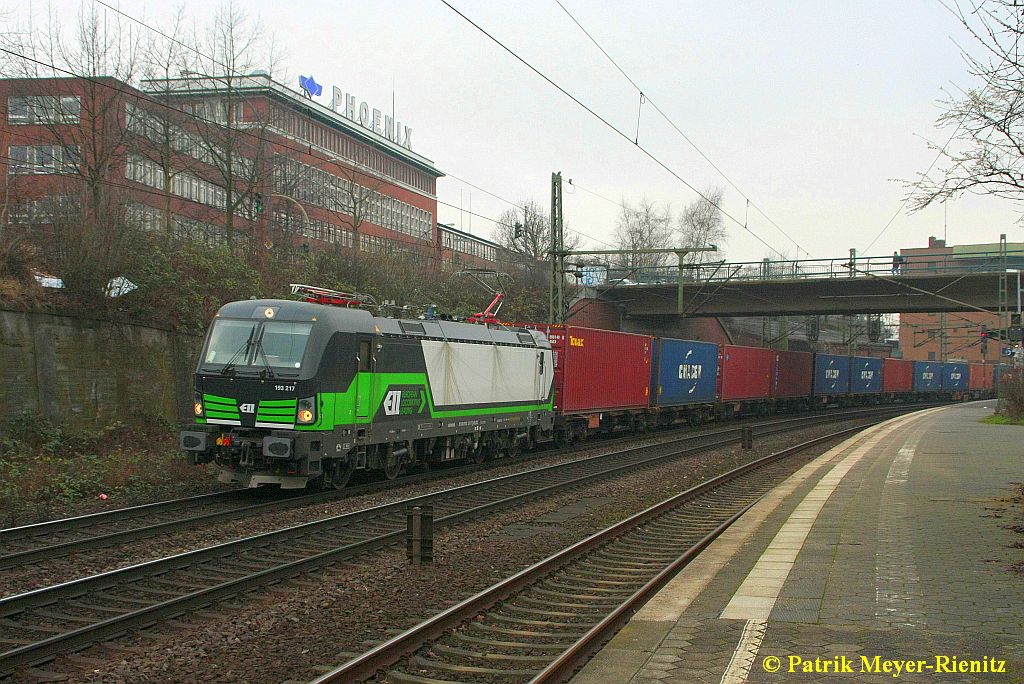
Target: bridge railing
(860,267)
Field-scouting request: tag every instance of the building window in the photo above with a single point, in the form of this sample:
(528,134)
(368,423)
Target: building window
(931,356)
(44,109)
(42,159)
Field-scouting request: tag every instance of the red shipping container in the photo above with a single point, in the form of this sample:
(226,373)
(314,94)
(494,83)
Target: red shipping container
(897,375)
(793,374)
(976,376)
(599,370)
(982,376)
(745,372)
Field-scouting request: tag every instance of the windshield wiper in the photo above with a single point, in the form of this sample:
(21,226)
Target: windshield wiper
(268,372)
(229,366)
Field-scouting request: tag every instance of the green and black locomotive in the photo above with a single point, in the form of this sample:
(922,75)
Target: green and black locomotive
(294,392)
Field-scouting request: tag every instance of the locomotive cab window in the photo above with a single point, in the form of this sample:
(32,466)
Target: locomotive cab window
(246,343)
(282,344)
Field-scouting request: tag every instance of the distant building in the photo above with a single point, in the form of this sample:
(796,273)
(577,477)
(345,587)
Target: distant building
(933,337)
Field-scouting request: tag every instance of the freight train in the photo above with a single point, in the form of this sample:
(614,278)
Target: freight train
(300,393)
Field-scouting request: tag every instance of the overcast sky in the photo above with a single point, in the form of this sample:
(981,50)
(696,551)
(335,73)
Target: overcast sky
(814,110)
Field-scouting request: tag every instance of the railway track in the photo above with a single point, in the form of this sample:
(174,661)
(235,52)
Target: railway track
(544,622)
(40,624)
(42,542)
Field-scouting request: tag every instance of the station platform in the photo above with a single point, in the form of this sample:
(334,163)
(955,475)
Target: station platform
(885,559)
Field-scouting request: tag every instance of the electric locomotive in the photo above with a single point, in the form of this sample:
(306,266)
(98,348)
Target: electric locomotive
(292,393)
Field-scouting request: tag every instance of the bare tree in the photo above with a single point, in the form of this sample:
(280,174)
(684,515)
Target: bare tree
(527,231)
(348,193)
(355,206)
(232,131)
(646,226)
(87,241)
(701,225)
(161,133)
(985,152)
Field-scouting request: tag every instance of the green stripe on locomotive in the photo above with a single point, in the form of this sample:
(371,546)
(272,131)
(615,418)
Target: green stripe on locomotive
(336,409)
(276,411)
(220,408)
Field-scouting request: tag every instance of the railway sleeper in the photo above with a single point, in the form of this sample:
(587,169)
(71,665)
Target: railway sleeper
(513,620)
(516,609)
(98,608)
(491,643)
(614,569)
(488,655)
(517,674)
(552,587)
(599,578)
(582,605)
(619,555)
(399,677)
(560,637)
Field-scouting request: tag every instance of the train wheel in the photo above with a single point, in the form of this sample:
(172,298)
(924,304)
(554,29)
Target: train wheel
(392,464)
(340,475)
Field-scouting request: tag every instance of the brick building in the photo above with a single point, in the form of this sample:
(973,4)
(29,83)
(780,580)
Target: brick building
(219,159)
(944,336)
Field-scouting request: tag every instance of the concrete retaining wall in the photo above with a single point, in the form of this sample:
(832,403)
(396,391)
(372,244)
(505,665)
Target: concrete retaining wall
(88,373)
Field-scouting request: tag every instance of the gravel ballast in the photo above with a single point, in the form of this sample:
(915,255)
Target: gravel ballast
(323,619)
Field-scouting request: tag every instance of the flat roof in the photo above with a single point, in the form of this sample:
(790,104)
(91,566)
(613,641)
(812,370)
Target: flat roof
(206,85)
(463,233)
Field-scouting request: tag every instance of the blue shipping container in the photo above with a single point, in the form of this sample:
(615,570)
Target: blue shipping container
(865,375)
(831,374)
(684,372)
(954,376)
(927,376)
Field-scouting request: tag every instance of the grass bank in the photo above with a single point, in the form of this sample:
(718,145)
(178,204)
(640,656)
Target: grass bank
(47,472)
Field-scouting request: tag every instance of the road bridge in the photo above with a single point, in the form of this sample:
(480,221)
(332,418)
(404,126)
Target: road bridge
(818,287)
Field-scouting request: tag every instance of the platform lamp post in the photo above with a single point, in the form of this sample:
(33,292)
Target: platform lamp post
(1015,323)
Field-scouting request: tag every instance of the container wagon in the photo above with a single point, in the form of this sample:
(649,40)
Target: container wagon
(866,378)
(979,380)
(684,381)
(791,387)
(955,377)
(744,380)
(927,377)
(602,379)
(831,378)
(897,379)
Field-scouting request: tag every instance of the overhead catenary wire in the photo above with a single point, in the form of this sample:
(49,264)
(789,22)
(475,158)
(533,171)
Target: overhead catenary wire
(233,72)
(645,98)
(608,124)
(146,97)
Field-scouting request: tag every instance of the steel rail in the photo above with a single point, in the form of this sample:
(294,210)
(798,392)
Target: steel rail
(608,465)
(385,655)
(77,524)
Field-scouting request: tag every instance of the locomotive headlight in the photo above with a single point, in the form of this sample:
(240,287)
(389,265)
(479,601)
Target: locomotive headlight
(198,406)
(306,411)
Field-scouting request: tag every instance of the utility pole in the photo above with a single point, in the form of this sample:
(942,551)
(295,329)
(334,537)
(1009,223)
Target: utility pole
(942,336)
(1004,293)
(681,252)
(557,308)
(556,291)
